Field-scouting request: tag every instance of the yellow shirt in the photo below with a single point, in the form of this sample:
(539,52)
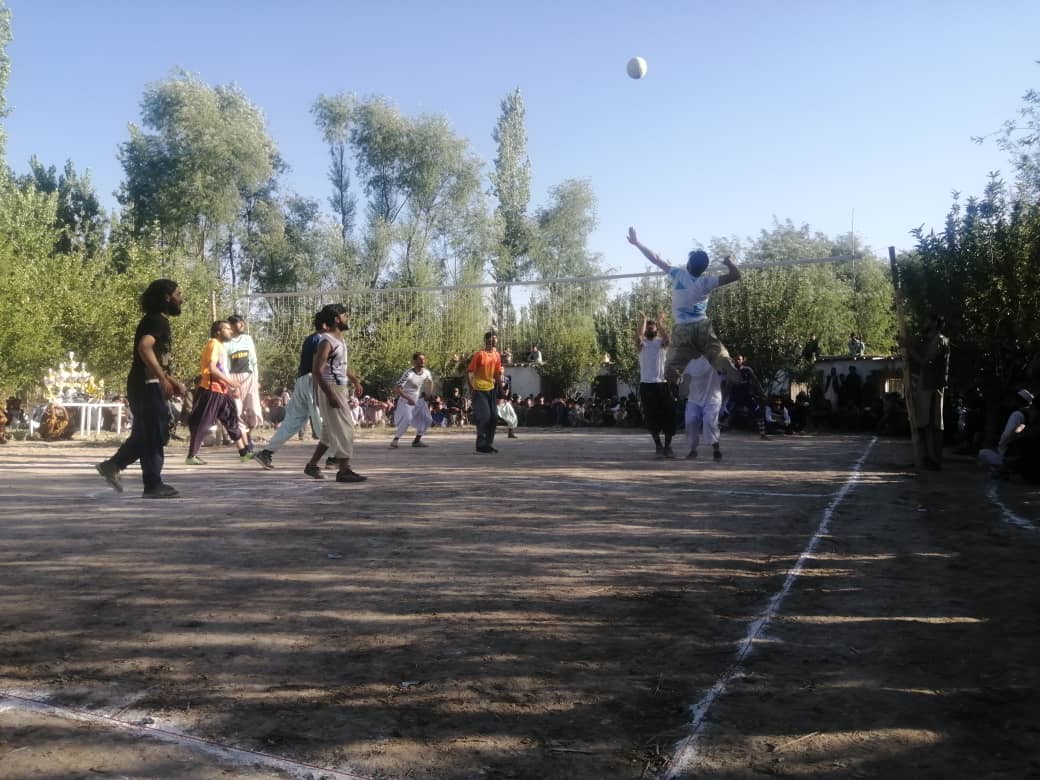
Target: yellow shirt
(213,351)
(485,366)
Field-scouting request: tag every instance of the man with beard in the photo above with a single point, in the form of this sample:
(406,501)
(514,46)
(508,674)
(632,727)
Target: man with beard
(655,393)
(148,387)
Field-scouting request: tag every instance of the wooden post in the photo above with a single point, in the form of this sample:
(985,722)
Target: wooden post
(904,346)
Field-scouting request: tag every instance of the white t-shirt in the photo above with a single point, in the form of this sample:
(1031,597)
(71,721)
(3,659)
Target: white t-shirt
(690,295)
(704,382)
(241,353)
(335,368)
(411,382)
(652,360)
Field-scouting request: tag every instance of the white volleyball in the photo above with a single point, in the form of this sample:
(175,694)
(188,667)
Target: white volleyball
(637,67)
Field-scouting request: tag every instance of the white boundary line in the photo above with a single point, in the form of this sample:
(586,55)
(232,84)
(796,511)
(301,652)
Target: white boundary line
(237,756)
(1009,516)
(595,484)
(685,750)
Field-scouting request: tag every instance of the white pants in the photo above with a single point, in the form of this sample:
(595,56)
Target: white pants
(337,425)
(302,407)
(418,416)
(247,400)
(696,416)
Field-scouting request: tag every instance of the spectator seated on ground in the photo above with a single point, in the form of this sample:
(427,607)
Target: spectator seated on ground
(1015,426)
(438,412)
(800,411)
(1023,449)
(778,419)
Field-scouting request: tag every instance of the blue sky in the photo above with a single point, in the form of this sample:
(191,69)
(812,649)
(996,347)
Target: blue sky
(802,110)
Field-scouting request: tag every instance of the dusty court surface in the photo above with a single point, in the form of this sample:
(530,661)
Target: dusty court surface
(553,611)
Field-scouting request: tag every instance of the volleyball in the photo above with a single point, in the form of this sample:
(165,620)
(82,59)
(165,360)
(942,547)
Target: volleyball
(637,67)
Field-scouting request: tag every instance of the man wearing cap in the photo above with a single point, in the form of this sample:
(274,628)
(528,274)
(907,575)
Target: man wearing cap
(485,373)
(242,365)
(692,333)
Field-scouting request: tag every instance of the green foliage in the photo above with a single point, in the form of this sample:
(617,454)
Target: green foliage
(982,273)
(189,178)
(5,72)
(616,325)
(770,314)
(333,117)
(79,217)
(567,338)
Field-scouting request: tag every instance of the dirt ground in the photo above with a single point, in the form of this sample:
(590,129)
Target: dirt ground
(552,611)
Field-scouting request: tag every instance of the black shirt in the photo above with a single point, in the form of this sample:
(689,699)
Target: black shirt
(158,327)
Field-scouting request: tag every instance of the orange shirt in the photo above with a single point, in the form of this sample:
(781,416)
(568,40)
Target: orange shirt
(212,352)
(485,366)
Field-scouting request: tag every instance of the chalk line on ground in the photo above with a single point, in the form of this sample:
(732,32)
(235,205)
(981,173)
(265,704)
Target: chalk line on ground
(1008,515)
(30,702)
(686,749)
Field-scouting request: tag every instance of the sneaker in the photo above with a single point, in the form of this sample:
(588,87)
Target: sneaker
(313,471)
(161,491)
(194,460)
(513,435)
(669,452)
(418,443)
(331,463)
(350,476)
(247,456)
(716,454)
(765,437)
(111,475)
(265,458)
(393,444)
(691,455)
(486,449)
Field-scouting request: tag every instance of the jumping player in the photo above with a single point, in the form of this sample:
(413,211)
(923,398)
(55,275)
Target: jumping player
(692,334)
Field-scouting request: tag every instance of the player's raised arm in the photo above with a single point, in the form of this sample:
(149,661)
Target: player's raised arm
(650,255)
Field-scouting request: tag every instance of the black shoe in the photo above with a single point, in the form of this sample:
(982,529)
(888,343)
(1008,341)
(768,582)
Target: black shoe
(659,452)
(331,463)
(161,491)
(668,452)
(717,454)
(350,476)
(313,471)
(419,443)
(111,475)
(265,458)
(691,455)
(486,449)
(513,435)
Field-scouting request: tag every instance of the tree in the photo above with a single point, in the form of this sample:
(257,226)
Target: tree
(5,74)
(511,184)
(415,174)
(769,315)
(1020,138)
(189,177)
(333,116)
(79,217)
(982,273)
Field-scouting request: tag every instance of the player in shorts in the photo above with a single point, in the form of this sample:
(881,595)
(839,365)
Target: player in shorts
(692,333)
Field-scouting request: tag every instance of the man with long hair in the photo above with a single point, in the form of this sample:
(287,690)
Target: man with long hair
(148,386)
